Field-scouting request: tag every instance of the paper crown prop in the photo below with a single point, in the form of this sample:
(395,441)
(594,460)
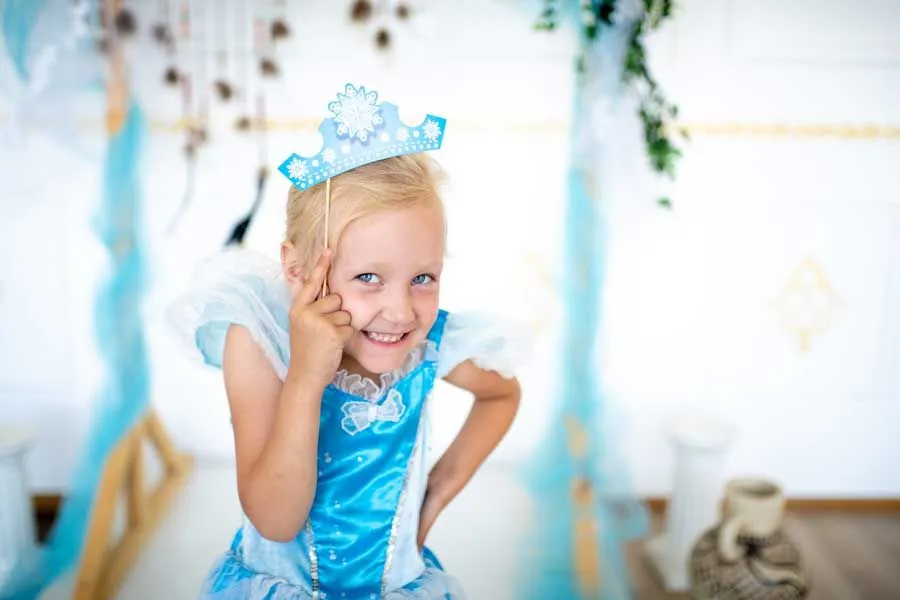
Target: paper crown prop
(361,131)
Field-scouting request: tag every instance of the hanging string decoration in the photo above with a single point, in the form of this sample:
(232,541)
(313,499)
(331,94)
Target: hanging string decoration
(224,32)
(162,29)
(656,112)
(202,40)
(243,37)
(179,74)
(280,29)
(164,35)
(240,229)
(226,50)
(190,155)
(264,42)
(122,24)
(224,89)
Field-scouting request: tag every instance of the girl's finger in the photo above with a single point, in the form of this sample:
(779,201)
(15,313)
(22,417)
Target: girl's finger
(346,332)
(328,305)
(313,285)
(339,318)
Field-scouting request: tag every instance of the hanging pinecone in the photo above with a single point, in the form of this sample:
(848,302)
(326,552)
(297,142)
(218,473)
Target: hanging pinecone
(361,11)
(280,30)
(172,76)
(125,23)
(402,11)
(383,39)
(162,35)
(197,136)
(268,67)
(224,90)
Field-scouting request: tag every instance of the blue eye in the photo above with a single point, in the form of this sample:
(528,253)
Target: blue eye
(422,279)
(368,278)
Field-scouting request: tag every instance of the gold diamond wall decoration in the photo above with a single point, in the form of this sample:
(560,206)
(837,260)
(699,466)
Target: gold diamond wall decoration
(535,275)
(808,304)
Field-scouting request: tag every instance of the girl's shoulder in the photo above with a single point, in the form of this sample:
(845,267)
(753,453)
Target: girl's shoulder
(491,342)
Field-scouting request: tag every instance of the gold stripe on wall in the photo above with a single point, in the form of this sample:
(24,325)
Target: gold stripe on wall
(862,131)
(845,131)
(310,124)
(866,131)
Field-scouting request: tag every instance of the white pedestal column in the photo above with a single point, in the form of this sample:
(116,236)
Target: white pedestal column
(18,542)
(700,446)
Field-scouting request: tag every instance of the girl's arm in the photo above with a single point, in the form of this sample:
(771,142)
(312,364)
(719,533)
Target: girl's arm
(276,426)
(276,433)
(492,414)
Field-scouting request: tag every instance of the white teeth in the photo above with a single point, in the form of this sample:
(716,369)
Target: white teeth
(384,338)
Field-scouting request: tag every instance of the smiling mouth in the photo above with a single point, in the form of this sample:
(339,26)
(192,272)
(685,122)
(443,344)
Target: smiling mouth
(385,338)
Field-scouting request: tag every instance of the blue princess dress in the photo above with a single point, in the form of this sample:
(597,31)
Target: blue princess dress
(359,542)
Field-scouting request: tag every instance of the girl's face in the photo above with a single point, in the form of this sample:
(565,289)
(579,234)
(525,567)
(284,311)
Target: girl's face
(386,269)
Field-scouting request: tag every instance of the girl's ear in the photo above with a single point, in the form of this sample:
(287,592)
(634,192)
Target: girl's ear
(291,267)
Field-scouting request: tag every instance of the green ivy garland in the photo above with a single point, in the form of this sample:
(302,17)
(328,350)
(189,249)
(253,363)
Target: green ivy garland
(655,111)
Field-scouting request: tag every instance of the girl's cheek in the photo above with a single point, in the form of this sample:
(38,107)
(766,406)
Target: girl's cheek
(356,306)
(427,302)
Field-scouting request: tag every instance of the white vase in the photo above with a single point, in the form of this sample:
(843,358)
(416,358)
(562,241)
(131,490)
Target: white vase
(18,543)
(700,444)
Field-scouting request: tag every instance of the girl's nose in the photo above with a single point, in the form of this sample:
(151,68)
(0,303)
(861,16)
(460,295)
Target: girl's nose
(398,308)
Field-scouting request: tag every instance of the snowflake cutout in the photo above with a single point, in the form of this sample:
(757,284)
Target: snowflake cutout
(328,156)
(297,168)
(356,112)
(431,130)
(402,135)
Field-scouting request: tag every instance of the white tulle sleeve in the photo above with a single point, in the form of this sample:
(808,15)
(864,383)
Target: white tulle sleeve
(235,287)
(491,343)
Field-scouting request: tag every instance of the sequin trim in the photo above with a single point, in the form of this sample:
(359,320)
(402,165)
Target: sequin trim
(395,524)
(313,561)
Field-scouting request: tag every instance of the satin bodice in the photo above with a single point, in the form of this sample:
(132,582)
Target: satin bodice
(365,511)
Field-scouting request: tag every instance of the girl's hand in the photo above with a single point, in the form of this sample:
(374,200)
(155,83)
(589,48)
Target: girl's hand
(443,486)
(319,328)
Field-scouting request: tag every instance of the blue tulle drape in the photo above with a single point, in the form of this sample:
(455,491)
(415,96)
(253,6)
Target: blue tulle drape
(55,78)
(30,28)
(19,17)
(120,343)
(580,485)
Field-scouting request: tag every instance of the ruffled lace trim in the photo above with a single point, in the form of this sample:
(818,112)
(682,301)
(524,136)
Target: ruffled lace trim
(365,387)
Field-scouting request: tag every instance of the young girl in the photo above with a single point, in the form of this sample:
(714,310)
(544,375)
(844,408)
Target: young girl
(329,360)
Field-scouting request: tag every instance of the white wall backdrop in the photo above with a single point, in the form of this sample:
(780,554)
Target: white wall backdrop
(696,297)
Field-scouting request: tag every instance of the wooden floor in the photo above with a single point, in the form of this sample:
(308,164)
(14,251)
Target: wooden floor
(847,557)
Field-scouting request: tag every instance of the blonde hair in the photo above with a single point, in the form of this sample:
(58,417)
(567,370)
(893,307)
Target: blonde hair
(393,183)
